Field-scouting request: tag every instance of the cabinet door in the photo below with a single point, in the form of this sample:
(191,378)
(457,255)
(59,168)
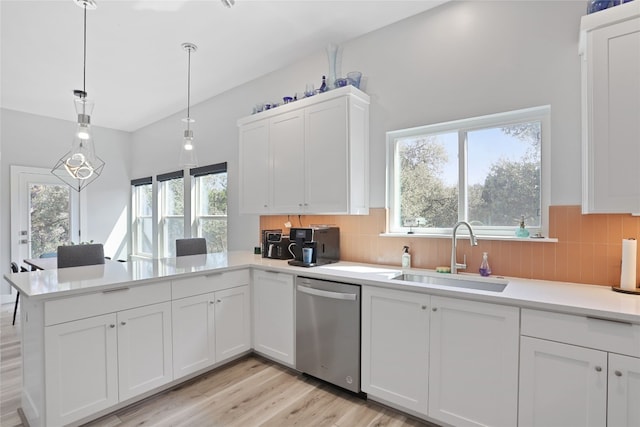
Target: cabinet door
(612,93)
(561,385)
(232,322)
(193,334)
(286,137)
(273,321)
(81,368)
(327,157)
(144,349)
(624,391)
(255,168)
(473,369)
(395,347)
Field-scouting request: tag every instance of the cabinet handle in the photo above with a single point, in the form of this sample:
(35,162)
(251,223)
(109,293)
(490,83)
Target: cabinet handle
(598,369)
(264,206)
(602,319)
(112,325)
(300,204)
(108,291)
(212,302)
(123,323)
(434,309)
(424,307)
(219,301)
(618,373)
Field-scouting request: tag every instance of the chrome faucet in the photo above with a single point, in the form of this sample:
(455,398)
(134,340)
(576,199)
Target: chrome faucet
(455,266)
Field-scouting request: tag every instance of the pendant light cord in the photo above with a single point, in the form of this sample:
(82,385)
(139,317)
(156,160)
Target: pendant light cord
(84,58)
(189,89)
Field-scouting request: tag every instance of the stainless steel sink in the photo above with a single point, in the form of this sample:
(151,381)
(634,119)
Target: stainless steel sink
(440,279)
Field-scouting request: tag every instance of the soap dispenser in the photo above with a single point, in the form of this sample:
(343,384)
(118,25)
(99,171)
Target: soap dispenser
(406,257)
(485,270)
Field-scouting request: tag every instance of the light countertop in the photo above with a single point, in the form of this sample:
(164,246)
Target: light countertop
(589,300)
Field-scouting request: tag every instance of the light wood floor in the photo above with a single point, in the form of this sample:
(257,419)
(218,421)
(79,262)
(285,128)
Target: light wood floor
(249,392)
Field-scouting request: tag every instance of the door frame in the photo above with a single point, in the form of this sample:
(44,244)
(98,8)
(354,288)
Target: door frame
(23,175)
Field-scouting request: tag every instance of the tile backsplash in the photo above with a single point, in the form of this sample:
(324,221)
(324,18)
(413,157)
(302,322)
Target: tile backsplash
(588,250)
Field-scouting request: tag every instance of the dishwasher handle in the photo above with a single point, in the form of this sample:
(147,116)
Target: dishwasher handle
(327,294)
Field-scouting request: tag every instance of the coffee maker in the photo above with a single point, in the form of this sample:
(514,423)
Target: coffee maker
(315,245)
(275,245)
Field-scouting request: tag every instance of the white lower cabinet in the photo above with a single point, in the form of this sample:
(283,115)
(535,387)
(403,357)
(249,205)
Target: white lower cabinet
(395,347)
(96,362)
(452,360)
(562,385)
(273,315)
(232,322)
(193,334)
(578,371)
(209,328)
(473,367)
(81,368)
(623,391)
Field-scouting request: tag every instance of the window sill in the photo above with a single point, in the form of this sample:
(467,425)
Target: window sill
(466,236)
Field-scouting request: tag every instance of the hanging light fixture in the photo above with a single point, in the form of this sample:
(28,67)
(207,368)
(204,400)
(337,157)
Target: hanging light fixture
(188,156)
(80,166)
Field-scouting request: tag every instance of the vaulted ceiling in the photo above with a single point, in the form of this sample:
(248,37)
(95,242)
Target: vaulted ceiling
(135,63)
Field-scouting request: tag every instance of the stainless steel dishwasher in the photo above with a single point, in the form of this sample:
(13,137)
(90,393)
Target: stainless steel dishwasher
(328,331)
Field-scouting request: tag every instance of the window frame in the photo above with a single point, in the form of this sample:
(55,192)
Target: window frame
(462,127)
(164,248)
(196,223)
(136,224)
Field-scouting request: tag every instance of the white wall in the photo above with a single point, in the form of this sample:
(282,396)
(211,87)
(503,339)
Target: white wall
(30,140)
(462,59)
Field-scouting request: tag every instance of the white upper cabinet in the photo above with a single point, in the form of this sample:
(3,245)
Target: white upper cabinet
(255,166)
(610,63)
(310,156)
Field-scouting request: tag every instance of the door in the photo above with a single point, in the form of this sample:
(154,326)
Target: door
(144,349)
(273,333)
(561,385)
(473,369)
(44,213)
(395,347)
(81,368)
(624,391)
(193,334)
(232,322)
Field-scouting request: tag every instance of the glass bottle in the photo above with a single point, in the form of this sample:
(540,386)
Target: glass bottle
(324,87)
(485,270)
(522,231)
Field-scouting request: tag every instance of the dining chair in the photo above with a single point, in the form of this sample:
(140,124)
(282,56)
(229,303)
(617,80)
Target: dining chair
(192,246)
(14,269)
(79,255)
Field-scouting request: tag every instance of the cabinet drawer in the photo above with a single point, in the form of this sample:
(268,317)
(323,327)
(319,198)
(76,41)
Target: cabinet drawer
(210,282)
(601,334)
(109,301)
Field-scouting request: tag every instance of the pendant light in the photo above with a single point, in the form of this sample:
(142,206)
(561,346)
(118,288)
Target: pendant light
(80,166)
(188,156)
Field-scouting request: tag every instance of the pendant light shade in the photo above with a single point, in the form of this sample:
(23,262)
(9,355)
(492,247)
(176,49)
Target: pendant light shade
(80,166)
(188,157)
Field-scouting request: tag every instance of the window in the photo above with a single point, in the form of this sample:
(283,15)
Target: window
(210,205)
(488,170)
(142,217)
(170,211)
